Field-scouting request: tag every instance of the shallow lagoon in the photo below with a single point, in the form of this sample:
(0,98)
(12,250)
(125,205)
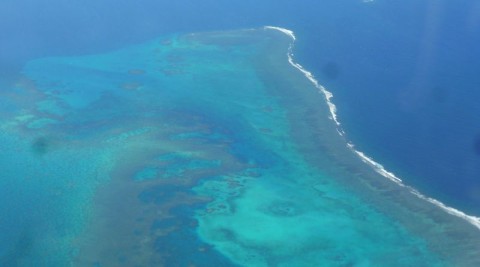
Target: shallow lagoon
(205,149)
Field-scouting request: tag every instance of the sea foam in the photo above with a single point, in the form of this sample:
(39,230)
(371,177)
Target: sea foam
(475,221)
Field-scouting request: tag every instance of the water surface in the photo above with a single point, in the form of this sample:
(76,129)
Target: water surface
(204,149)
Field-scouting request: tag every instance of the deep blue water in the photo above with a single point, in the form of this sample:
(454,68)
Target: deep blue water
(407,89)
(404,73)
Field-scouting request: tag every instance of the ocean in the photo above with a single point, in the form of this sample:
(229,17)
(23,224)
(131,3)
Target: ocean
(186,133)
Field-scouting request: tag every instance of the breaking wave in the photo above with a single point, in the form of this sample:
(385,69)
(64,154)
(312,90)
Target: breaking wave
(475,221)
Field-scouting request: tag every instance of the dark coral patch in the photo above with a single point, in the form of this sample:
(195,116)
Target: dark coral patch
(40,146)
(283,209)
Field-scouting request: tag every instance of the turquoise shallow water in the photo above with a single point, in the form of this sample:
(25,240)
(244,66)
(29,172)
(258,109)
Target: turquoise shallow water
(205,149)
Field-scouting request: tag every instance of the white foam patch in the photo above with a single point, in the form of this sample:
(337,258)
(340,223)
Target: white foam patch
(475,221)
(286,31)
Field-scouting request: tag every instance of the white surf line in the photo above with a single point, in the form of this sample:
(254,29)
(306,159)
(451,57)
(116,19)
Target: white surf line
(309,75)
(475,221)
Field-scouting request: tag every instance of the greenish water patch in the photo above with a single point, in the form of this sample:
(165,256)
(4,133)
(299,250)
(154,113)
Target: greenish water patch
(40,123)
(50,107)
(125,135)
(175,165)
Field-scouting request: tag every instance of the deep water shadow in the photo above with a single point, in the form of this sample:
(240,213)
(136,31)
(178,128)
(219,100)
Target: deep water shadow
(476,144)
(331,70)
(439,94)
